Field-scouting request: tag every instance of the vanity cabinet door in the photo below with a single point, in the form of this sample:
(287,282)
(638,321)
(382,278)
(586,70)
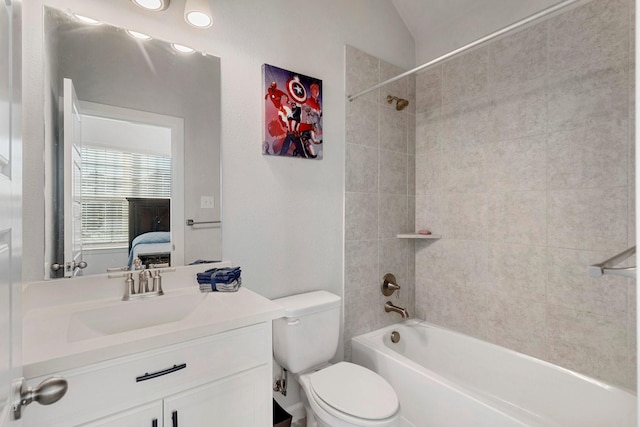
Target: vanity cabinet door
(143,416)
(239,401)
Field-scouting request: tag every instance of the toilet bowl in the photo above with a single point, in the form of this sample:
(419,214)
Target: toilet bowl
(305,339)
(348,395)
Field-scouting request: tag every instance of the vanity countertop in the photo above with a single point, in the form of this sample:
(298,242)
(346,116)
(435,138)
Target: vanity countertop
(51,342)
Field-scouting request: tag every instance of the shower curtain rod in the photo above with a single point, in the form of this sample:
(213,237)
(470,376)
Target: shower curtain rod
(484,39)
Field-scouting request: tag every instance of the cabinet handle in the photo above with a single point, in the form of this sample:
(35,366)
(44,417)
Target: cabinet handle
(149,376)
(174,418)
(154,422)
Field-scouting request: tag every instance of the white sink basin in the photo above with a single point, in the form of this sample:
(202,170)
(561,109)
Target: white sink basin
(130,315)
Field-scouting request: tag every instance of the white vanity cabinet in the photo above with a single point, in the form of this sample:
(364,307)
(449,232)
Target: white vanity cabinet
(223,379)
(144,416)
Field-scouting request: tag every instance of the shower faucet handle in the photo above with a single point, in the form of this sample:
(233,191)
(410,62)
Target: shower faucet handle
(389,285)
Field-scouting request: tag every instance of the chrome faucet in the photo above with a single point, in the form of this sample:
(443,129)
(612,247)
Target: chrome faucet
(143,281)
(388,307)
(145,289)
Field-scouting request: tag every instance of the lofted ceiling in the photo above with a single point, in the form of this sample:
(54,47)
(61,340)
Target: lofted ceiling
(440,26)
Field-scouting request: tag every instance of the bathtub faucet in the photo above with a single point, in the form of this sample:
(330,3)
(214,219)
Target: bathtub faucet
(402,311)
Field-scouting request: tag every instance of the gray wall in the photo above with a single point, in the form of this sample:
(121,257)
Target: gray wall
(524,163)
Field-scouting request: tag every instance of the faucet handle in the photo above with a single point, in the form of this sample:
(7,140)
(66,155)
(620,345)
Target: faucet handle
(389,285)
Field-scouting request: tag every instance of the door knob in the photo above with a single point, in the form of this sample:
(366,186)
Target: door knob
(47,392)
(70,266)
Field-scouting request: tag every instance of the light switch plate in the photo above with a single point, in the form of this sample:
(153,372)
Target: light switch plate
(207,202)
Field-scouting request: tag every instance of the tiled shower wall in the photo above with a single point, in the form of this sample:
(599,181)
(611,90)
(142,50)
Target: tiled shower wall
(524,164)
(379,199)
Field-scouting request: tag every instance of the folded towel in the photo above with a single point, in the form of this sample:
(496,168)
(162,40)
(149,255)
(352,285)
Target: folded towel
(221,287)
(225,279)
(219,275)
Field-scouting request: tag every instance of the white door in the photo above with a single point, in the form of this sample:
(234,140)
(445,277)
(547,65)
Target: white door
(10,216)
(72,182)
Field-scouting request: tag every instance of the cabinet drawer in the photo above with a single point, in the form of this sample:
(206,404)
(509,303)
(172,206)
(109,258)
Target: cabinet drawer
(111,386)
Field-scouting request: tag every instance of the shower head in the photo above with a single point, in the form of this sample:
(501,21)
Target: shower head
(401,104)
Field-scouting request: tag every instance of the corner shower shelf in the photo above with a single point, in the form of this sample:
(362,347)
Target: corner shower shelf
(418,236)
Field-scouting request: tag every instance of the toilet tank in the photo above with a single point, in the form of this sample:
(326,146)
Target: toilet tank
(307,335)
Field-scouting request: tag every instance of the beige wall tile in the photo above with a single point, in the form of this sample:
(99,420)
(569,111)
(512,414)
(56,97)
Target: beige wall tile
(428,212)
(520,110)
(429,90)
(515,323)
(465,76)
(589,157)
(361,216)
(519,271)
(428,172)
(597,31)
(362,72)
(393,129)
(465,216)
(393,210)
(361,263)
(519,57)
(594,219)
(598,93)
(517,164)
(468,122)
(453,305)
(588,343)
(393,172)
(411,134)
(453,261)
(570,286)
(428,128)
(362,123)
(464,167)
(393,258)
(399,88)
(518,217)
(362,169)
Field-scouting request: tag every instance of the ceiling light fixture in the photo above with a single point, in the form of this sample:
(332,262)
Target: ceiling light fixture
(137,35)
(198,13)
(182,48)
(155,5)
(87,20)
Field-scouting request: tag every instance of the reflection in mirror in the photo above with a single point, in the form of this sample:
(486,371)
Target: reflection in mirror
(146,134)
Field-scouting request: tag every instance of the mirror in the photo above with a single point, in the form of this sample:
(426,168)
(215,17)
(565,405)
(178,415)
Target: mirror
(147,129)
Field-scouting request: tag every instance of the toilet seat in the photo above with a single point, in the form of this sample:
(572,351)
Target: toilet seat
(350,390)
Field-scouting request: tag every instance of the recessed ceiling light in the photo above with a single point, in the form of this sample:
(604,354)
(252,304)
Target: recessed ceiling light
(137,35)
(181,48)
(198,13)
(87,20)
(155,5)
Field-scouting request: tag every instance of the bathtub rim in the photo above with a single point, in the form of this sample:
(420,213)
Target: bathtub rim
(370,336)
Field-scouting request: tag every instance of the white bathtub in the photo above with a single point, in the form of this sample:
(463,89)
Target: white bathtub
(447,379)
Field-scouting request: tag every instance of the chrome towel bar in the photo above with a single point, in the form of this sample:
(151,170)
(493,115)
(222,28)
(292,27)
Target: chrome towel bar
(606,267)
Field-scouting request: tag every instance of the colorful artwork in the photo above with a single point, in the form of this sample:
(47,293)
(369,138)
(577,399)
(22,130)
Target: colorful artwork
(292,114)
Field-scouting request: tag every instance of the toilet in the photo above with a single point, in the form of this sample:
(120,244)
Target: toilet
(334,395)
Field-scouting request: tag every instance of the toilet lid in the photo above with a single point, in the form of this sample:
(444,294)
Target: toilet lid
(355,390)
